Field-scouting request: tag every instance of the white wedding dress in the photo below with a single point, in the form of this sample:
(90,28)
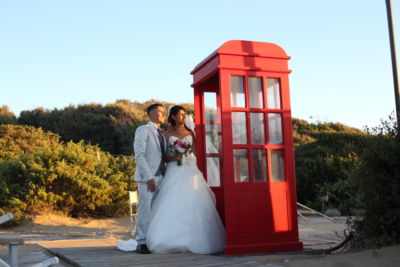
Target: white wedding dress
(184,217)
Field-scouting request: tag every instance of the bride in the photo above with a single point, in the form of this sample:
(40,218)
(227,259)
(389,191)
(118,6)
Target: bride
(183,215)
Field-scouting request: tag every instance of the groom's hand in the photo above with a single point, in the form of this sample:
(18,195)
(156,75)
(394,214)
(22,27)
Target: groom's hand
(151,185)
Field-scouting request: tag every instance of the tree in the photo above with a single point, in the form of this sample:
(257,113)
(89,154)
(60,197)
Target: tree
(6,116)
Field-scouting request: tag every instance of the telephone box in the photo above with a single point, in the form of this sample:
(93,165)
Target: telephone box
(244,144)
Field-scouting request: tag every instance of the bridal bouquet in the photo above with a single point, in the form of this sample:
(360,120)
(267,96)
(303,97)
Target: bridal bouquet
(181,147)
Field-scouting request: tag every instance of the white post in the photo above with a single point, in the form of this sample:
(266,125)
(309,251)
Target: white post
(13,255)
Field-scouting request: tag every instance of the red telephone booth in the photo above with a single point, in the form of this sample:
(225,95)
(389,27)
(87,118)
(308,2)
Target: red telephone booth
(244,144)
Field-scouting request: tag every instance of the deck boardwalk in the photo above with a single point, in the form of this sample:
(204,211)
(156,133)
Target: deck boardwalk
(110,256)
(101,250)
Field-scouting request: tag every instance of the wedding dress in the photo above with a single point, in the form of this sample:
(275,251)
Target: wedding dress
(184,217)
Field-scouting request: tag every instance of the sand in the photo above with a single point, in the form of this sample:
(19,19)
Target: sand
(52,226)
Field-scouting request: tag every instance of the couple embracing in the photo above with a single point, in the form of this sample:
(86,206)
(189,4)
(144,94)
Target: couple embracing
(176,210)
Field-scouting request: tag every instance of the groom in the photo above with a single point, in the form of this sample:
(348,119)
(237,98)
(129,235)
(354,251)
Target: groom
(150,147)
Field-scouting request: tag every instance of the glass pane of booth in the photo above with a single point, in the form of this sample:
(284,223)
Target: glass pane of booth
(213,173)
(274,93)
(237,92)
(277,166)
(240,165)
(239,133)
(259,165)
(257,128)
(213,125)
(210,106)
(212,139)
(275,129)
(256,92)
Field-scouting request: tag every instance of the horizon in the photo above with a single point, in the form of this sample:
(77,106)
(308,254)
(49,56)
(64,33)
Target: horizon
(175,103)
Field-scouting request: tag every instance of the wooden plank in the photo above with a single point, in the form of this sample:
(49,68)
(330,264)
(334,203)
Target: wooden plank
(11,241)
(110,256)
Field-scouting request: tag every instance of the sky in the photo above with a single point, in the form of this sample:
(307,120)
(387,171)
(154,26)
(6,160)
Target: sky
(57,53)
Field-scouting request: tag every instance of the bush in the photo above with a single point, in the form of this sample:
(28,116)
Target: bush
(41,172)
(325,155)
(110,126)
(377,178)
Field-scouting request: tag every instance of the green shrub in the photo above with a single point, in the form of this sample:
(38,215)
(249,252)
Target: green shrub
(110,126)
(377,178)
(325,156)
(41,172)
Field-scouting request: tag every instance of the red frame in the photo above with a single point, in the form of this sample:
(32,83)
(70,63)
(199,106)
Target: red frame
(258,216)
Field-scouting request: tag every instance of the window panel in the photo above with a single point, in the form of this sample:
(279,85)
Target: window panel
(241,165)
(239,132)
(237,92)
(256,92)
(274,93)
(275,129)
(213,172)
(257,128)
(277,166)
(213,125)
(259,165)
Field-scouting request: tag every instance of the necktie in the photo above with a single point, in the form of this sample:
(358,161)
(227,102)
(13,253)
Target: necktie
(161,139)
(161,168)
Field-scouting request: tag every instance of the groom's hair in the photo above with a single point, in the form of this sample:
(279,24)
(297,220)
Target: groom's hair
(153,106)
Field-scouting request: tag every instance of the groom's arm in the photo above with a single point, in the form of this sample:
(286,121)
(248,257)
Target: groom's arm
(140,145)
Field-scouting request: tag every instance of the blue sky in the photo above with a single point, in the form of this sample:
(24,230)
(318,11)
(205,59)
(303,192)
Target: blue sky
(57,53)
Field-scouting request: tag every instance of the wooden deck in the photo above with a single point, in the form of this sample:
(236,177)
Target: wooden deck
(110,256)
(102,251)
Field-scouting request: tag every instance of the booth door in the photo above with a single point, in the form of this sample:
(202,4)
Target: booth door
(258,149)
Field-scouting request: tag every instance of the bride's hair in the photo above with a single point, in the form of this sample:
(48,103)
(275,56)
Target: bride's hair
(172,112)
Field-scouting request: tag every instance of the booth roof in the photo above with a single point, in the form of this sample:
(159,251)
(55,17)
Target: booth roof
(246,48)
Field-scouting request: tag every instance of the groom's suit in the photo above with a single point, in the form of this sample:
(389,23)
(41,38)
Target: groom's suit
(149,146)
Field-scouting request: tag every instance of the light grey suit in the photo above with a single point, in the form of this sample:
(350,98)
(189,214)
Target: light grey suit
(148,158)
